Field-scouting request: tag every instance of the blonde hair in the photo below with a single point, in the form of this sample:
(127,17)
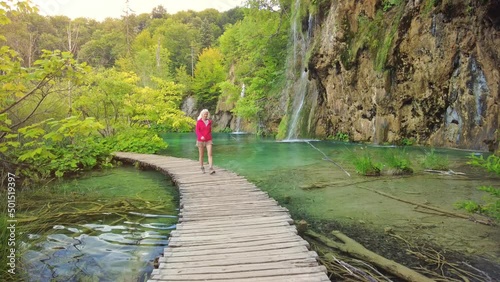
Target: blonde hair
(202,113)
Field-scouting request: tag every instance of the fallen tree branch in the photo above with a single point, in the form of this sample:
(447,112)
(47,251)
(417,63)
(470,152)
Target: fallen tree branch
(357,250)
(484,221)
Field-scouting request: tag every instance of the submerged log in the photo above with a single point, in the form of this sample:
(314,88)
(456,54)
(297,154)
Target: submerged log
(357,250)
(476,218)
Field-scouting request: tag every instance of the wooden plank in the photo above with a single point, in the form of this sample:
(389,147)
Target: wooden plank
(309,277)
(228,248)
(237,258)
(254,203)
(230,238)
(235,229)
(240,211)
(234,233)
(220,245)
(245,274)
(236,222)
(203,251)
(166,269)
(229,198)
(201,216)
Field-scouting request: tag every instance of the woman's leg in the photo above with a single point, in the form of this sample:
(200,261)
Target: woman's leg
(209,153)
(200,153)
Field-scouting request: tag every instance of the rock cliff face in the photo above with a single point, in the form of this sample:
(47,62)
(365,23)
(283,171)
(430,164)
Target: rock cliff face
(422,70)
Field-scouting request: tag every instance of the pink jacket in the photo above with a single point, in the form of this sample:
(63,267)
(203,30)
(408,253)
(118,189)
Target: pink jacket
(204,130)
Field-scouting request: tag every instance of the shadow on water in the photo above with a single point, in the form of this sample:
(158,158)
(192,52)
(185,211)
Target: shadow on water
(108,226)
(386,214)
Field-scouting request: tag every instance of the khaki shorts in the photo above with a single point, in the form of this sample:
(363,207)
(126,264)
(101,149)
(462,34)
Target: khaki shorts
(203,143)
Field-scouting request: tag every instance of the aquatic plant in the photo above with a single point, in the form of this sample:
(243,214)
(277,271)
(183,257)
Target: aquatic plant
(399,160)
(490,206)
(366,165)
(433,161)
(492,163)
(491,202)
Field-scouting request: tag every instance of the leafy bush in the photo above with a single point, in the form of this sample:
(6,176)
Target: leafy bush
(139,140)
(55,147)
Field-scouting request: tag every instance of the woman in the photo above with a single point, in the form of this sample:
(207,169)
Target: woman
(204,138)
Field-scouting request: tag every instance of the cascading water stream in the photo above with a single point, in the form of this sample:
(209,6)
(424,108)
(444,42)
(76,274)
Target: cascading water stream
(297,72)
(238,118)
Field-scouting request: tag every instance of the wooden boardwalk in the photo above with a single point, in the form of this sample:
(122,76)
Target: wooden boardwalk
(228,230)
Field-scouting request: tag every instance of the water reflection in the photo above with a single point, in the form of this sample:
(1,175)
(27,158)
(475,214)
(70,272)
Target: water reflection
(116,247)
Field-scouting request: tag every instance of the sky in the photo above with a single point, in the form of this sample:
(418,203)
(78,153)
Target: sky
(101,9)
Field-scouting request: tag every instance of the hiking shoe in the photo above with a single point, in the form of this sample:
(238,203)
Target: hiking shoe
(203,169)
(212,171)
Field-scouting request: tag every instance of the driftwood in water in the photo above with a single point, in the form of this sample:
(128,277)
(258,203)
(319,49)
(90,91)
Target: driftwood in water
(353,248)
(444,172)
(484,221)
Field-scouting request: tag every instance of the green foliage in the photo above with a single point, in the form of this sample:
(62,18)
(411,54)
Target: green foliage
(432,160)
(139,140)
(148,59)
(407,142)
(492,163)
(159,107)
(340,136)
(376,35)
(469,206)
(114,99)
(282,128)
(255,51)
(428,6)
(104,49)
(56,147)
(226,130)
(398,159)
(388,4)
(491,190)
(209,73)
(490,206)
(365,164)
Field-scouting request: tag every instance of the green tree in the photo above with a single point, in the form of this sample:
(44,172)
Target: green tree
(209,73)
(178,39)
(159,12)
(159,108)
(104,96)
(104,49)
(255,50)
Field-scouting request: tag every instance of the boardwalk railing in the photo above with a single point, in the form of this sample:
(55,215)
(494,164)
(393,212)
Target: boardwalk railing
(228,230)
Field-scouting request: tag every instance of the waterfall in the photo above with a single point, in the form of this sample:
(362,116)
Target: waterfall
(297,74)
(238,118)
